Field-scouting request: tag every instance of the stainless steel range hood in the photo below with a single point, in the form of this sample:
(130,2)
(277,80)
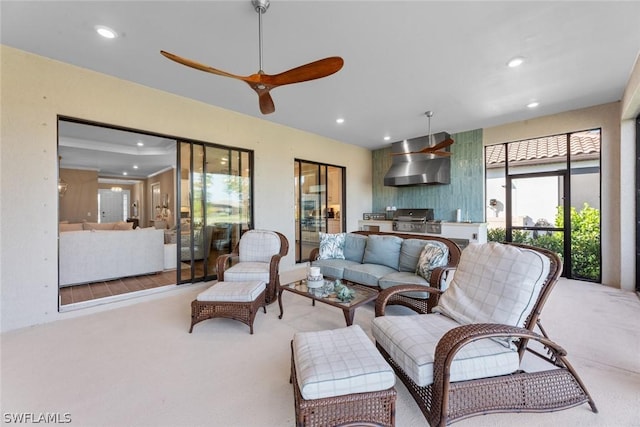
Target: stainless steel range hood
(418,169)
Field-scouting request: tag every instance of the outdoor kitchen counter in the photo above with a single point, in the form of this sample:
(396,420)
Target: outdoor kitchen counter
(474,232)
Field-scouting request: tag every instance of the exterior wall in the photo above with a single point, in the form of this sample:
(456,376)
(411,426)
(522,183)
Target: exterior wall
(35,90)
(606,117)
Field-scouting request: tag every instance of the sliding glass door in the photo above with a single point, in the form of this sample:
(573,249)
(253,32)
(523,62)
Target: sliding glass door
(319,193)
(215,206)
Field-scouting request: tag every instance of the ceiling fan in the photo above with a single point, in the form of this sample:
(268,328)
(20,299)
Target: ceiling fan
(261,82)
(432,149)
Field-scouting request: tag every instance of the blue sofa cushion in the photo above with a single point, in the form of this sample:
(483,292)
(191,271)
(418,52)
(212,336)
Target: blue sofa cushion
(333,268)
(404,278)
(366,274)
(383,250)
(354,245)
(409,254)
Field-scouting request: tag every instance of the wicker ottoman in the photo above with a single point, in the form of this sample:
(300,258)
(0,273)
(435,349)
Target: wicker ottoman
(340,378)
(233,300)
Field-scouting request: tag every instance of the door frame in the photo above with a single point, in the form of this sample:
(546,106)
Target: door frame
(566,204)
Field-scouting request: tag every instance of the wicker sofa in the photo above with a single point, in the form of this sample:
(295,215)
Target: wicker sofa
(384,260)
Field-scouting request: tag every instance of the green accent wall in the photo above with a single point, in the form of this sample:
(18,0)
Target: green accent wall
(466,190)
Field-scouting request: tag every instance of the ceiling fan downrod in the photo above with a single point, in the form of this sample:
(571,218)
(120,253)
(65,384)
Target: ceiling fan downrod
(429,114)
(261,7)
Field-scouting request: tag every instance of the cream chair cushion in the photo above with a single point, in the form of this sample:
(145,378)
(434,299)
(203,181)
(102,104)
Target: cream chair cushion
(411,342)
(494,283)
(339,362)
(258,246)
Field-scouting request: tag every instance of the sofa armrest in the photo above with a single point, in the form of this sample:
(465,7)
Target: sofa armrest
(386,296)
(441,277)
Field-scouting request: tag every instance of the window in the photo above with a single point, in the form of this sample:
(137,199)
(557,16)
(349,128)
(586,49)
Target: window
(546,192)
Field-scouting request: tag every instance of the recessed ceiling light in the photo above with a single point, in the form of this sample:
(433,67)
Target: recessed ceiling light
(106,32)
(533,104)
(515,62)
(340,120)
(125,173)
(386,138)
(135,166)
(140,144)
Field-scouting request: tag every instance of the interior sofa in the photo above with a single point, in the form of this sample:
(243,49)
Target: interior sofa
(383,260)
(95,255)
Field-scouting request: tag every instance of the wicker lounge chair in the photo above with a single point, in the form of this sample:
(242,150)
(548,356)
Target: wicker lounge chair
(256,257)
(462,372)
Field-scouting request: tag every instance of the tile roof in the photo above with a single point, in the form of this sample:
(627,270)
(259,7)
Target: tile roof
(551,147)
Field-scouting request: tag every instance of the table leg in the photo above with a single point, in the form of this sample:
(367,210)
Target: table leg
(349,314)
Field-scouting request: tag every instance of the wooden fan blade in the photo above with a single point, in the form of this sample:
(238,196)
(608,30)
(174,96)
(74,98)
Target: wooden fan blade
(447,142)
(311,71)
(441,153)
(266,103)
(432,150)
(201,67)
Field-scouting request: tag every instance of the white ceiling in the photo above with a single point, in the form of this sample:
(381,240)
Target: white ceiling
(402,58)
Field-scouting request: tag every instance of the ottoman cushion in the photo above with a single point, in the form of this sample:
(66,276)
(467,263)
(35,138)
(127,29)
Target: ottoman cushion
(339,362)
(233,291)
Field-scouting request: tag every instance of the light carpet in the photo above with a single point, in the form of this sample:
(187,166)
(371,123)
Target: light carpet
(138,365)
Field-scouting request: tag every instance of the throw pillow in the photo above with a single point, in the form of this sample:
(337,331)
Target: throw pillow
(332,246)
(434,254)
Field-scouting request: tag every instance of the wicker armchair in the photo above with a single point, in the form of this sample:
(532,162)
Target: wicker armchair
(258,255)
(446,389)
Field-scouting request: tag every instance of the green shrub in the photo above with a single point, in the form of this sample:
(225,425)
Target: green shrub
(585,240)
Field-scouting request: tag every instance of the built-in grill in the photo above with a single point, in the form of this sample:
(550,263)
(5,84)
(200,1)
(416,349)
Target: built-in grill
(416,221)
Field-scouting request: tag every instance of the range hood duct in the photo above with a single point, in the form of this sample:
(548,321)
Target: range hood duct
(418,169)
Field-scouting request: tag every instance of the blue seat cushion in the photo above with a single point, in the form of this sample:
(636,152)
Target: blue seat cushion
(366,274)
(404,278)
(333,268)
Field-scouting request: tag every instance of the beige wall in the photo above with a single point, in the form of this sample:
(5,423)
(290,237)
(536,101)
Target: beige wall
(35,90)
(607,117)
(80,201)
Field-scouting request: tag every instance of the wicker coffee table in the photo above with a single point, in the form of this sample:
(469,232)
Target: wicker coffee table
(362,296)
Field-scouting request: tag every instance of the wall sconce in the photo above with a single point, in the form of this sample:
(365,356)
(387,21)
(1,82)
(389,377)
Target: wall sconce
(62,187)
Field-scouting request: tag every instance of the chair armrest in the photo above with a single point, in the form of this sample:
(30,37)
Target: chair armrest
(385,296)
(456,338)
(223,261)
(315,253)
(274,267)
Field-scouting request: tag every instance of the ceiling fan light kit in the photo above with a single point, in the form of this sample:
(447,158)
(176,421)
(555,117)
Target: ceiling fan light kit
(261,82)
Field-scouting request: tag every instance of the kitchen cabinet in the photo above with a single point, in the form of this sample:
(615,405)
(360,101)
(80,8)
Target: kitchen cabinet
(474,232)
(369,225)
(334,226)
